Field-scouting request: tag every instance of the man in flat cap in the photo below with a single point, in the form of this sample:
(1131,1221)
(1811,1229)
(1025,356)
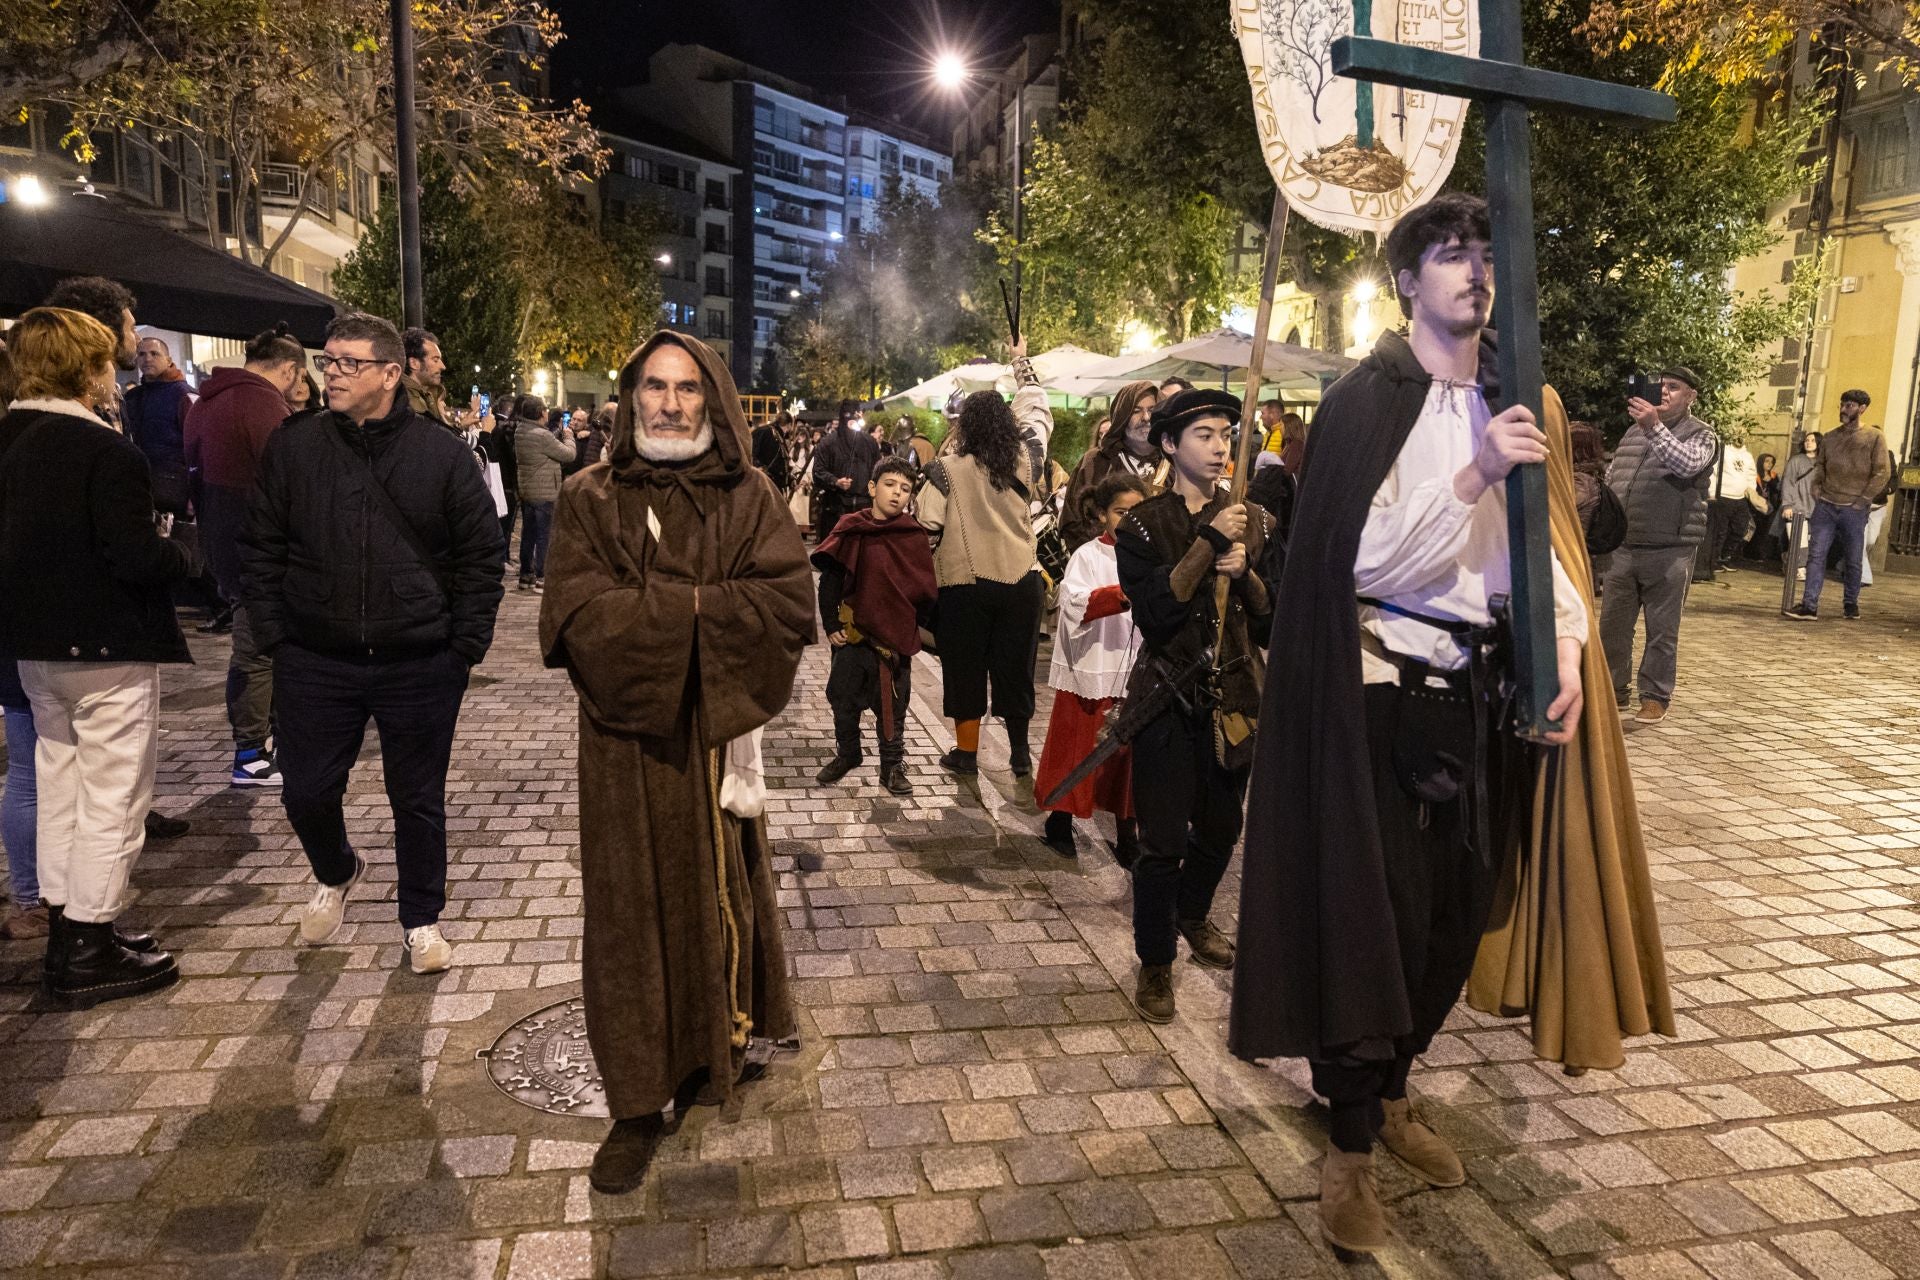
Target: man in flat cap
(1174,551)
(1661,473)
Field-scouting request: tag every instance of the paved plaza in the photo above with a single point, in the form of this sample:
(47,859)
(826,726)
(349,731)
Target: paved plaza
(972,1096)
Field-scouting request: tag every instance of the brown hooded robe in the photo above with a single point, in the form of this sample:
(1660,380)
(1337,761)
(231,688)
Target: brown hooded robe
(1573,940)
(682,950)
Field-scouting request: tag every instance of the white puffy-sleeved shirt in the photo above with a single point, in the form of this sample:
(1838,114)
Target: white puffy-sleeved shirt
(1425,550)
(1092,659)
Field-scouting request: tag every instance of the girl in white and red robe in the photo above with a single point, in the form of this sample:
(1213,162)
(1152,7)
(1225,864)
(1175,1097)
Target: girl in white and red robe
(1093,651)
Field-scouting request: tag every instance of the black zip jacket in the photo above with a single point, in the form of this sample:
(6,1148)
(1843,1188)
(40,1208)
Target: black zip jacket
(325,567)
(84,575)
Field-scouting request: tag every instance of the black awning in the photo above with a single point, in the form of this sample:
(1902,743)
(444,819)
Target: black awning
(181,283)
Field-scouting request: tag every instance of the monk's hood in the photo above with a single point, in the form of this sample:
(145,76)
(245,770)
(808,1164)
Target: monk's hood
(731,438)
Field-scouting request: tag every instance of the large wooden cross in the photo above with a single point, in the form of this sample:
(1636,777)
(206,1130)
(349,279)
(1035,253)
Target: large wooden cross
(1501,81)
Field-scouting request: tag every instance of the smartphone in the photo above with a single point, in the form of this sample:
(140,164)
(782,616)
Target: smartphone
(1646,386)
(486,403)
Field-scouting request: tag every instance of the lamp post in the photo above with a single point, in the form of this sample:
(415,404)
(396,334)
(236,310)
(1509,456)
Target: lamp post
(413,304)
(950,72)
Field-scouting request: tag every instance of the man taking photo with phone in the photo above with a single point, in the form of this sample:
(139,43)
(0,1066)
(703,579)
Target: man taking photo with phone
(1661,473)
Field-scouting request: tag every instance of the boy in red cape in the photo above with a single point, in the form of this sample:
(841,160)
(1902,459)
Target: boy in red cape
(876,576)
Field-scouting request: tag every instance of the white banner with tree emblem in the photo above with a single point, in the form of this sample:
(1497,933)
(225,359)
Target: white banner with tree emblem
(1349,155)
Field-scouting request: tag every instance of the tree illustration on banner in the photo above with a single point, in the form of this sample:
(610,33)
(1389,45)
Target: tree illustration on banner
(1350,155)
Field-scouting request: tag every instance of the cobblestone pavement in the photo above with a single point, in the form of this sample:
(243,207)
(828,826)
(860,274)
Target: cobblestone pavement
(973,1096)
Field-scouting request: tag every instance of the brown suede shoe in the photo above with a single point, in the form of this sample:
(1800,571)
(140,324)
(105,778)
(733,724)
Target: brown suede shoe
(26,922)
(1652,711)
(1209,947)
(1418,1147)
(1153,993)
(1350,1214)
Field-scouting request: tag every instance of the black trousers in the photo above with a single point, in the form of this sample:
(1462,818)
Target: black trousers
(990,634)
(321,705)
(1439,886)
(1190,811)
(861,681)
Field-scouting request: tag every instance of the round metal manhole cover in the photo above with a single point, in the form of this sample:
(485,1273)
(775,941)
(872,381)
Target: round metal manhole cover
(543,1061)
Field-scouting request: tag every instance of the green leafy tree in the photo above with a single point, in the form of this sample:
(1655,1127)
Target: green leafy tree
(1737,41)
(1161,107)
(825,363)
(306,82)
(53,47)
(589,291)
(1638,229)
(473,293)
(901,296)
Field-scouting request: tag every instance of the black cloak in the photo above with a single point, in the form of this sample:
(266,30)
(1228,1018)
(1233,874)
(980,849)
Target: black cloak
(1318,973)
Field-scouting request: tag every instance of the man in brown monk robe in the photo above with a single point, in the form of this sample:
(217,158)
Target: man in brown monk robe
(679,600)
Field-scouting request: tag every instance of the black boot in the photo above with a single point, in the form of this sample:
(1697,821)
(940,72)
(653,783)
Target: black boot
(837,768)
(965,763)
(894,779)
(1059,837)
(144,943)
(621,1163)
(161,827)
(94,968)
(55,963)
(1126,849)
(1019,754)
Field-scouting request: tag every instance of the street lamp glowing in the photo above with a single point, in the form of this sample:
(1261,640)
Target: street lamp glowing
(30,191)
(794,294)
(949,71)
(665,259)
(1365,291)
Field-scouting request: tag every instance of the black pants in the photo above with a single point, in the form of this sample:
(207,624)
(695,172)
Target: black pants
(321,704)
(1439,886)
(990,633)
(829,504)
(1190,810)
(861,681)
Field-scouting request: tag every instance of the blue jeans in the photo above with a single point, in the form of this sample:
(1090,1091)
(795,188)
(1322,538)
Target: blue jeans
(20,809)
(1850,525)
(536,528)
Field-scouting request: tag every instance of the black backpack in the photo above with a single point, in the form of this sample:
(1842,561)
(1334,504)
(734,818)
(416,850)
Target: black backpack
(1608,528)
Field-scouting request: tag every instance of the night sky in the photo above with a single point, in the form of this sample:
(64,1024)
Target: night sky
(872,52)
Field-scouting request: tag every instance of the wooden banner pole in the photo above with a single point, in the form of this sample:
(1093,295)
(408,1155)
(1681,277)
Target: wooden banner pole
(1256,364)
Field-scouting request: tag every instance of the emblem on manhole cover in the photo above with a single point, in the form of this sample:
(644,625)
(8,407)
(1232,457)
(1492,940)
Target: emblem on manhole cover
(544,1061)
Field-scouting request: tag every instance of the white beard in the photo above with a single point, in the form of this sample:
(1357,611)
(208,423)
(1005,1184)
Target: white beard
(675,449)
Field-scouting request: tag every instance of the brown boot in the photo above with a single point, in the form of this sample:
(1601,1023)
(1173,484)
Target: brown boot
(620,1165)
(1153,993)
(1350,1214)
(1418,1147)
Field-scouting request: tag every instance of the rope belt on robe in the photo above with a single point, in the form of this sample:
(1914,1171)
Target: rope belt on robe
(741,1025)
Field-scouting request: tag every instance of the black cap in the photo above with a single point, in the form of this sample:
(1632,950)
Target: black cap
(1683,373)
(1859,397)
(1177,410)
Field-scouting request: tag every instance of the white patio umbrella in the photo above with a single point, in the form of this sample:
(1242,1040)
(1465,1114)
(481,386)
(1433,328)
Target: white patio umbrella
(1218,358)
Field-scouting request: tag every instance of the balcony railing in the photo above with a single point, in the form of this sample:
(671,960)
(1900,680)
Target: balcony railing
(280,182)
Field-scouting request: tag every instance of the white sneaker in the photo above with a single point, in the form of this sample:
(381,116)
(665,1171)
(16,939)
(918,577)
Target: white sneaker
(256,769)
(429,952)
(320,922)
